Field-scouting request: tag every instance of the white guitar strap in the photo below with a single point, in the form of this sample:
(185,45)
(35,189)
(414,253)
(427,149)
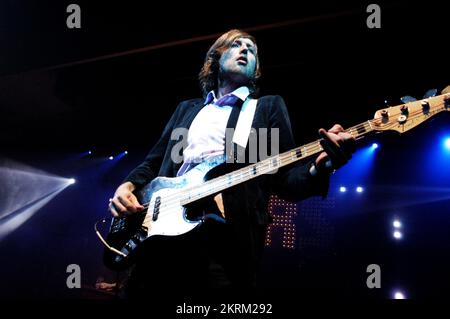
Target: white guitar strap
(244,123)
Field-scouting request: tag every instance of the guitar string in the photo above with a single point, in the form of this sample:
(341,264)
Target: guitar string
(310,148)
(170,202)
(247,171)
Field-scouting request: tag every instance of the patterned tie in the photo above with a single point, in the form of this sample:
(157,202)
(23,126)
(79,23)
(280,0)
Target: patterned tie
(229,99)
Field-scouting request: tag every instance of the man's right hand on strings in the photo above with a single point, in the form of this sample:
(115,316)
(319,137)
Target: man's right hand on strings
(124,201)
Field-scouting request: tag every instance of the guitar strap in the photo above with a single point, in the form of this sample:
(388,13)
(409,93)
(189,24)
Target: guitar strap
(241,119)
(244,123)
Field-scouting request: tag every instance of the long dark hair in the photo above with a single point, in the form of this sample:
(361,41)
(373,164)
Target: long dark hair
(209,73)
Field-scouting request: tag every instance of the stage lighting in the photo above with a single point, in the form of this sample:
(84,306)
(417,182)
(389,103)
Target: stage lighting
(359,169)
(26,191)
(359,189)
(397,234)
(89,152)
(111,158)
(447,143)
(396,223)
(72,181)
(374,146)
(342,189)
(126,152)
(399,295)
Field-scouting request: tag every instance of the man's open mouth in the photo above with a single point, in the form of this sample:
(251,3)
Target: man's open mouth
(242,60)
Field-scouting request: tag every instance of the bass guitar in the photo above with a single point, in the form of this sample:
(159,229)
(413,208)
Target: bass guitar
(165,199)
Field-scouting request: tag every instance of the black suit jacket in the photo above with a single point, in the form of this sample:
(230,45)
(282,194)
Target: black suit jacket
(246,205)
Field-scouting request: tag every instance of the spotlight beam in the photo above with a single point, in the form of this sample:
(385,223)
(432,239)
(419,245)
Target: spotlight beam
(30,204)
(21,188)
(25,213)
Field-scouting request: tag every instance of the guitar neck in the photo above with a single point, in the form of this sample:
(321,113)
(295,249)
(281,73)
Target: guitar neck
(266,166)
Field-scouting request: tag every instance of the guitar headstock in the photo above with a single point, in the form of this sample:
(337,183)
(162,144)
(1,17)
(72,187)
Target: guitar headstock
(404,117)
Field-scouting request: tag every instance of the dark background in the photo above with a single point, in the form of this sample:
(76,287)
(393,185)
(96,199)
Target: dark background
(64,91)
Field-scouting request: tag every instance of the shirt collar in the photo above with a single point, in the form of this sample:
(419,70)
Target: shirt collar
(241,93)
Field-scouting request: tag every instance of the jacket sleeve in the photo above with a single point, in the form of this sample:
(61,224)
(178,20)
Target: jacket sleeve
(293,182)
(149,168)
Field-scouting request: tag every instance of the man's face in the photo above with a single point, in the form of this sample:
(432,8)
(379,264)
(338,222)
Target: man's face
(238,63)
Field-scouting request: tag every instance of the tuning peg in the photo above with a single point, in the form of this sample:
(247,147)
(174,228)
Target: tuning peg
(407,99)
(425,107)
(384,116)
(404,110)
(430,93)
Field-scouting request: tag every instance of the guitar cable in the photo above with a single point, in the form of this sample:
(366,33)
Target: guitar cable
(114,250)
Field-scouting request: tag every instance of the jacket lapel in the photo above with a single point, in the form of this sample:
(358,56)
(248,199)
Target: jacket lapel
(192,113)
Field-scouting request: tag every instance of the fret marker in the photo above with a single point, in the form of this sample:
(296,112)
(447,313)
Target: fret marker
(298,153)
(255,170)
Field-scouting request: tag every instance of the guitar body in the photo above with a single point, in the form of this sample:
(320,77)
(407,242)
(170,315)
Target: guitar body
(165,216)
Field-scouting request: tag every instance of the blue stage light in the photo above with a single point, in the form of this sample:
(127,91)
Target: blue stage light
(397,234)
(447,143)
(398,295)
(397,224)
(358,170)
